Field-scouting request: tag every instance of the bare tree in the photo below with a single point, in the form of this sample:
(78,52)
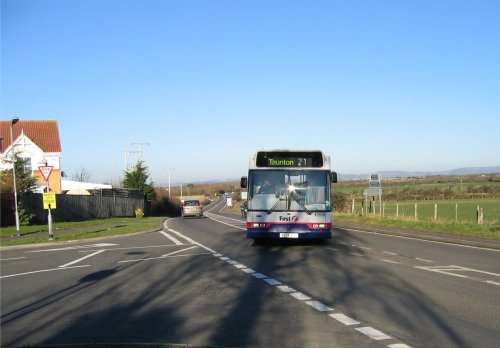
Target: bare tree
(81,175)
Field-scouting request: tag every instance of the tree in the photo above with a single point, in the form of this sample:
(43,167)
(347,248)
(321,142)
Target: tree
(137,178)
(81,175)
(25,180)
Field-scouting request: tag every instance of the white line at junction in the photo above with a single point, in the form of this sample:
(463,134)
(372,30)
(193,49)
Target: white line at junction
(176,241)
(81,259)
(14,258)
(98,245)
(41,271)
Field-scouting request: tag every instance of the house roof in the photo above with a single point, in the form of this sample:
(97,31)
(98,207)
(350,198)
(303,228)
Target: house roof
(45,134)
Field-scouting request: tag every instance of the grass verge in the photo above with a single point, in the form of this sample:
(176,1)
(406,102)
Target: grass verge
(489,231)
(65,231)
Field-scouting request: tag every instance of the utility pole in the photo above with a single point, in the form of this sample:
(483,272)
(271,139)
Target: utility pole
(12,123)
(126,163)
(139,145)
(169,194)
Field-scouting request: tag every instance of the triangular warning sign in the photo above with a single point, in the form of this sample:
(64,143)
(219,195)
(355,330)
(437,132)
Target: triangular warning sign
(45,170)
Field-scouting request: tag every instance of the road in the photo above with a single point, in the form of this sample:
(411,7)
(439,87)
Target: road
(201,282)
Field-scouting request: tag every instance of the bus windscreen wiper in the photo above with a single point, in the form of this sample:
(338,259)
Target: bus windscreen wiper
(280,198)
(295,198)
(288,197)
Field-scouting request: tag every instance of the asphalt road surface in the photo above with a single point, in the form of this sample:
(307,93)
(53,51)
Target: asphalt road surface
(199,281)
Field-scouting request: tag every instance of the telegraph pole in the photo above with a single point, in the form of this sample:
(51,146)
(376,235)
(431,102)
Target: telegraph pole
(126,162)
(139,145)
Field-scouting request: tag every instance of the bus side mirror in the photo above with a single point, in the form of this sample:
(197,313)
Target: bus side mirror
(243,182)
(334,177)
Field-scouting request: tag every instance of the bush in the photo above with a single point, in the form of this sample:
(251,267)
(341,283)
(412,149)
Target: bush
(165,207)
(340,202)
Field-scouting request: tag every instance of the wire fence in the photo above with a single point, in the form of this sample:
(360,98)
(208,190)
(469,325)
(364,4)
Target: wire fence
(462,211)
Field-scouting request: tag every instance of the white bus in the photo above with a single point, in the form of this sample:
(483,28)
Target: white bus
(289,195)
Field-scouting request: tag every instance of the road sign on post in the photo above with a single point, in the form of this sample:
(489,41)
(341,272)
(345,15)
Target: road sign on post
(49,203)
(374,190)
(46,170)
(49,200)
(375,181)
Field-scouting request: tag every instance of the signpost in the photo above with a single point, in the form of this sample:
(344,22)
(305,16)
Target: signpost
(374,190)
(49,198)
(45,170)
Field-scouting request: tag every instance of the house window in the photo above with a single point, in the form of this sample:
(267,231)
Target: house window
(27,165)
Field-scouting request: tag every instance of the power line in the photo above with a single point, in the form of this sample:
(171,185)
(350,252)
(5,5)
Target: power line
(139,145)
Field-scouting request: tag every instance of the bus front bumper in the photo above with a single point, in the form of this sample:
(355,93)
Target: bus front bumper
(313,234)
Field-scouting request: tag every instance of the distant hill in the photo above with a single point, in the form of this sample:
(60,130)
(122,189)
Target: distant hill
(403,174)
(383,174)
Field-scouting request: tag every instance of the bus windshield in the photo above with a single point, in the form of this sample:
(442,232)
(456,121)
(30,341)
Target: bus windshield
(289,190)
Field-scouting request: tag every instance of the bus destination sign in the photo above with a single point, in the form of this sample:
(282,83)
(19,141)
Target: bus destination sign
(278,159)
(288,162)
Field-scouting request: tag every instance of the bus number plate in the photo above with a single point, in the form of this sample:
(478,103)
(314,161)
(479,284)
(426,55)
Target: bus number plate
(289,235)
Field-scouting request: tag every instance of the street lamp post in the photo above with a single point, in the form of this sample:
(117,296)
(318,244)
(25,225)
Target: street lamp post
(12,123)
(169,194)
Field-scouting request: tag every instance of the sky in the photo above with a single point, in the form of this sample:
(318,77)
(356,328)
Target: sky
(409,85)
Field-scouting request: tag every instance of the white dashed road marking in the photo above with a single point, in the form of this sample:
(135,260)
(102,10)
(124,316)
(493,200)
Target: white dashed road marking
(389,261)
(347,321)
(272,281)
(344,319)
(319,306)
(423,260)
(285,288)
(300,296)
(373,333)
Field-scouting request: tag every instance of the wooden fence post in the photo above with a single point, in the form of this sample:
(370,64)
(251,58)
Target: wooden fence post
(479,214)
(416,213)
(456,212)
(435,211)
(397,210)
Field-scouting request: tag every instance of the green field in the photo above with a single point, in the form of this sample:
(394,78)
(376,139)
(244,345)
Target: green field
(450,210)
